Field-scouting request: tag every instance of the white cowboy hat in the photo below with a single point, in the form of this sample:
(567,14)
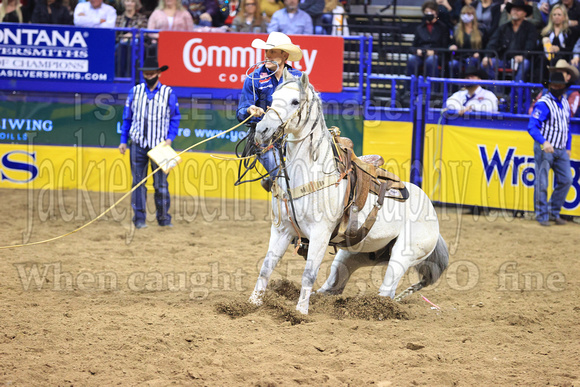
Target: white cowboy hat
(279,41)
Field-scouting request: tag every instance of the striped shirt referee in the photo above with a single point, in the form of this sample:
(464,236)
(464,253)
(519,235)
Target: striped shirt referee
(150,116)
(549,126)
(550,122)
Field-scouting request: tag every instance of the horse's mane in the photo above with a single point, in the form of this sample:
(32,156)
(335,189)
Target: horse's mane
(294,79)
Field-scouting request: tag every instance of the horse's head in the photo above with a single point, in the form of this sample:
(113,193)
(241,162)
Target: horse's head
(290,110)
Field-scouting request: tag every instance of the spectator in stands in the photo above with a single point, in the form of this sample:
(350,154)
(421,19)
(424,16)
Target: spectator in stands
(291,20)
(545,7)
(11,12)
(51,12)
(430,35)
(170,16)
(313,8)
(576,58)
(572,6)
(269,7)
(94,13)
(202,11)
(233,9)
(467,36)
(448,11)
(333,21)
(549,126)
(250,18)
(473,98)
(535,18)
(557,36)
(148,7)
(517,35)
(131,18)
(487,14)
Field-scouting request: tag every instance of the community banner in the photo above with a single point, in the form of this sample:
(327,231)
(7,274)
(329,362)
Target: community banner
(220,60)
(488,167)
(40,52)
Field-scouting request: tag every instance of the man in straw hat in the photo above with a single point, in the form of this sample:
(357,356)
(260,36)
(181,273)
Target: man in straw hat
(258,88)
(571,75)
(151,116)
(473,98)
(549,126)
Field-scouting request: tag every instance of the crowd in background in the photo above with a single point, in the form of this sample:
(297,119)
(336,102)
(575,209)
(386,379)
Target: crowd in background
(255,16)
(249,16)
(506,35)
(496,35)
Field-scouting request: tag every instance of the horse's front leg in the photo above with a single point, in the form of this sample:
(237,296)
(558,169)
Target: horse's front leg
(316,250)
(279,241)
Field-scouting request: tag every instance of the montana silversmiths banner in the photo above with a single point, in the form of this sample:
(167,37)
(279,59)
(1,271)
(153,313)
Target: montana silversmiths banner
(60,53)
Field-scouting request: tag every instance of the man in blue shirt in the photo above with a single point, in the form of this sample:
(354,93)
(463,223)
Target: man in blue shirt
(291,20)
(151,116)
(258,88)
(549,126)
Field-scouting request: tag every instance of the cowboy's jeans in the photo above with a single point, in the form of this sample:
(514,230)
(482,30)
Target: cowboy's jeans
(139,163)
(270,160)
(559,162)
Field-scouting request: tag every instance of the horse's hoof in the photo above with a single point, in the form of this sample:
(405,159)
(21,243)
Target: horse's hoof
(302,309)
(328,292)
(256,299)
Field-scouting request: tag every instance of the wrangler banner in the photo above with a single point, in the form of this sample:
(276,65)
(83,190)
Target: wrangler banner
(220,60)
(393,140)
(488,167)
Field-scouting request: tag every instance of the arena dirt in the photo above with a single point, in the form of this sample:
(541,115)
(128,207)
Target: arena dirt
(113,306)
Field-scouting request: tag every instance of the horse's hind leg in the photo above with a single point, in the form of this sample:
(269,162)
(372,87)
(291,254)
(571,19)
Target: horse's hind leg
(345,263)
(407,251)
(279,242)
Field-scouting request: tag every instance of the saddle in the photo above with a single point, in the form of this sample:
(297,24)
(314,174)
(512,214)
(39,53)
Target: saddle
(364,176)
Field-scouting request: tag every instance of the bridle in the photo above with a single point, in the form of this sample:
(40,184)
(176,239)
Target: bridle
(305,103)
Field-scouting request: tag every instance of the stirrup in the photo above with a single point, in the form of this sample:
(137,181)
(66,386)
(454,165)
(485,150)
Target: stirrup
(303,248)
(267,183)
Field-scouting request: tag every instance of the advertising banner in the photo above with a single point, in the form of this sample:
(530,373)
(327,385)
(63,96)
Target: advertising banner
(52,169)
(393,140)
(220,60)
(59,53)
(96,121)
(488,168)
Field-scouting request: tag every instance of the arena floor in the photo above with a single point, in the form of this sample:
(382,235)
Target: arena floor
(158,306)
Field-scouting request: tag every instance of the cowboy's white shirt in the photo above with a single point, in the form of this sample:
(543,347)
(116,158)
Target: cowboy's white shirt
(481,101)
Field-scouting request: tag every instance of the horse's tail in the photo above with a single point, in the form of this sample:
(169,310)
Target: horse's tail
(430,269)
(435,264)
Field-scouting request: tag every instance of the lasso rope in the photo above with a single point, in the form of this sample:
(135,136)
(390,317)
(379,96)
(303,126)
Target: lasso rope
(127,194)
